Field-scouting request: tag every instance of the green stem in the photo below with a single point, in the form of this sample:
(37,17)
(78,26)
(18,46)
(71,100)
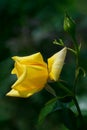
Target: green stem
(75,44)
(76,77)
(77,62)
(65,89)
(81,119)
(77,106)
(76,47)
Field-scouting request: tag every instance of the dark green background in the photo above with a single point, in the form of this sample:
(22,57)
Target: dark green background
(29,26)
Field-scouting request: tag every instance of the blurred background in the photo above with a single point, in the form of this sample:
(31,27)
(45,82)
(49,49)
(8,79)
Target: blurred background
(27,27)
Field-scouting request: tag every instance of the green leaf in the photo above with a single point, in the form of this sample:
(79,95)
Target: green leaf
(68,118)
(49,107)
(82,100)
(60,42)
(80,72)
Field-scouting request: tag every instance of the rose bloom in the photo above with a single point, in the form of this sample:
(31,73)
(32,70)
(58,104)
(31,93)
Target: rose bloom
(33,73)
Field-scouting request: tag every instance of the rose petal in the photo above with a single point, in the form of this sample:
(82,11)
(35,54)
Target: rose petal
(32,81)
(34,59)
(16,93)
(55,64)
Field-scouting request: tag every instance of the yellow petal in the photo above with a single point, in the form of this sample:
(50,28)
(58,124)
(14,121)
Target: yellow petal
(36,59)
(31,81)
(21,78)
(15,93)
(18,69)
(55,64)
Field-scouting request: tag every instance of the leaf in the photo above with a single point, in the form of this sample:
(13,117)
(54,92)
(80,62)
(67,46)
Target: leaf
(82,100)
(80,72)
(49,107)
(68,118)
(60,42)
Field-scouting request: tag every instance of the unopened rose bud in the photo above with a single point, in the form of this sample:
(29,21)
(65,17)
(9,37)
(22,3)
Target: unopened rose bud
(69,25)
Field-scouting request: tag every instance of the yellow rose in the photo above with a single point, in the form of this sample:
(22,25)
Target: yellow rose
(33,73)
